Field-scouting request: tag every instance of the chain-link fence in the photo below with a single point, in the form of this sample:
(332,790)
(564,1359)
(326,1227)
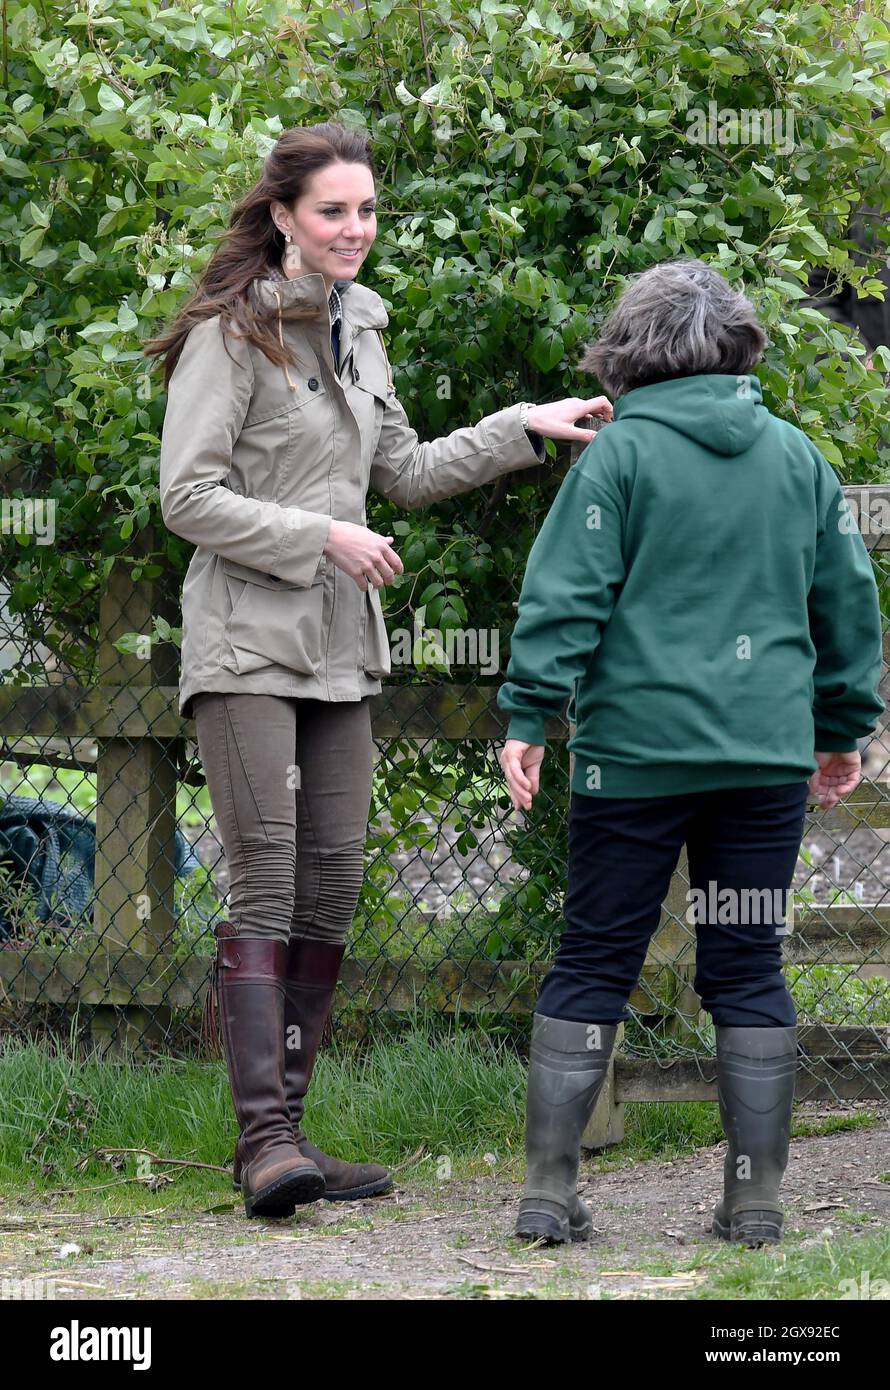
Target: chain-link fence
(112,874)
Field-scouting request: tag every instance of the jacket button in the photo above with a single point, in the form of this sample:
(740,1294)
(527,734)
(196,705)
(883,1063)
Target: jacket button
(357,376)
(312,383)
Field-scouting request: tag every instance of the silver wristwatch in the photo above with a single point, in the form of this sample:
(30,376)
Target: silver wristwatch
(524,408)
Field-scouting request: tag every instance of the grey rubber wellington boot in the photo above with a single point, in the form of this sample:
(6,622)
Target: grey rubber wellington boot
(756,1069)
(567,1067)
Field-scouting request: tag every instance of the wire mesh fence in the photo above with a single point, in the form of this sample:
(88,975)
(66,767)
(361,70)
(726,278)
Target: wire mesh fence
(112,874)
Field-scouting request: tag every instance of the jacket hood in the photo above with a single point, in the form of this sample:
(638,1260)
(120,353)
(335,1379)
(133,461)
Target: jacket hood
(721,411)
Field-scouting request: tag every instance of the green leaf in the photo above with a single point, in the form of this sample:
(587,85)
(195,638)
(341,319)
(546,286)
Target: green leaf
(506,219)
(832,453)
(109,99)
(547,349)
(813,241)
(653,228)
(30,242)
(529,286)
(98,332)
(15,168)
(444,226)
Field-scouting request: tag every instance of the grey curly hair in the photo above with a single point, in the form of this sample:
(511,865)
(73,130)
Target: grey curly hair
(677,318)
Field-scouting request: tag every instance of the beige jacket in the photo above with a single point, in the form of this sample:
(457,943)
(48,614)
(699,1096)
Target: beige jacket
(256,460)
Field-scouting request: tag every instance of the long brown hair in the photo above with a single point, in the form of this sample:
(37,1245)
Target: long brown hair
(253,244)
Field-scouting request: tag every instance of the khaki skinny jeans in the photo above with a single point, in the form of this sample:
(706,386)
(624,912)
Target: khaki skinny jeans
(290,784)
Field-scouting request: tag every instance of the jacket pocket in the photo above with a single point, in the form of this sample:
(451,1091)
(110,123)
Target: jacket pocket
(273,396)
(374,645)
(272,621)
(372,377)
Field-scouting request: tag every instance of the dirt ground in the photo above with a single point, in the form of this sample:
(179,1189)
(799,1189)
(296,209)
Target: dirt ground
(448,1239)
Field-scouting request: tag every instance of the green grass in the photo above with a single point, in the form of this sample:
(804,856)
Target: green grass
(457,1098)
(792,1270)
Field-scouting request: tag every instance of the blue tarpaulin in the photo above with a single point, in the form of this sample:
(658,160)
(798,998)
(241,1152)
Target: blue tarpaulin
(52,848)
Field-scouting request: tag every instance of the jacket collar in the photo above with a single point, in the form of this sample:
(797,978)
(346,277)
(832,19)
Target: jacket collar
(362,308)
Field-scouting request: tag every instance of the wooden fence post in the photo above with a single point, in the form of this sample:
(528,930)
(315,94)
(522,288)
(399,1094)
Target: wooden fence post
(136,782)
(686,1014)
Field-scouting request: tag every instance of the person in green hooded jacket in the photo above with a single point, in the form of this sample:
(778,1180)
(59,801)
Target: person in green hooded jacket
(702,594)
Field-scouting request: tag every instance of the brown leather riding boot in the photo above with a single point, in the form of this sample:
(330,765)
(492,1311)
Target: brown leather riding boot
(312,970)
(249,988)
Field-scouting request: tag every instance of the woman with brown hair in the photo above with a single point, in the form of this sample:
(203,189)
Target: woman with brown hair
(281,414)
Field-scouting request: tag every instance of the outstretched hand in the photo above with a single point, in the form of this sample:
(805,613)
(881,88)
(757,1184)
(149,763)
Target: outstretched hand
(557,420)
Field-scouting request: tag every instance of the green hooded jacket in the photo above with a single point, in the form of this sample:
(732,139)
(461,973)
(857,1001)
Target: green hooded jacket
(702,590)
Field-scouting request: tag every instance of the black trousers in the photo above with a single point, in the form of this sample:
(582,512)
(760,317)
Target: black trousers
(742,847)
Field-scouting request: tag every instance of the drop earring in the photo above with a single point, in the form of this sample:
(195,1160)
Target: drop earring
(291,256)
